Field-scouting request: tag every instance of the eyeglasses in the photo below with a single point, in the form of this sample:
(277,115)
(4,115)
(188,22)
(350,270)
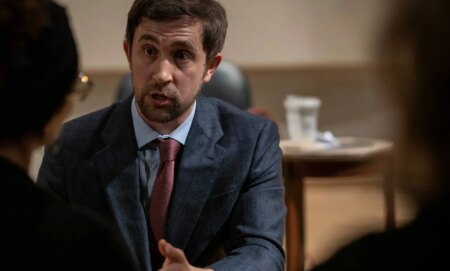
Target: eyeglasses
(83,85)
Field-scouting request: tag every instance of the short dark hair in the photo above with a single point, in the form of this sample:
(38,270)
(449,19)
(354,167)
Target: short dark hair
(210,12)
(38,64)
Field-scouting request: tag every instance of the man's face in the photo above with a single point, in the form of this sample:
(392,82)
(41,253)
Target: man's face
(169,66)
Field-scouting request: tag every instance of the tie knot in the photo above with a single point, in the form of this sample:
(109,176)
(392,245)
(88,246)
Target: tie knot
(168,149)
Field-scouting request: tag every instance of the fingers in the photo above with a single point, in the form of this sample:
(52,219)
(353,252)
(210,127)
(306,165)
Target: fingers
(171,253)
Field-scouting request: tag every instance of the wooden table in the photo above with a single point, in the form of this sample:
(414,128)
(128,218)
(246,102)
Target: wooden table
(354,156)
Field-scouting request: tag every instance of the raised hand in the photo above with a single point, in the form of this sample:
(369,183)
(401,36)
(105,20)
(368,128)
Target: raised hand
(175,258)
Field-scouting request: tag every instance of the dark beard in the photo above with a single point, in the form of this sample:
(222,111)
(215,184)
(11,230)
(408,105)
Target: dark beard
(175,111)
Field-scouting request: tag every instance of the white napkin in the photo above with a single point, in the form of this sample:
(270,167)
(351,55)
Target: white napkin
(327,138)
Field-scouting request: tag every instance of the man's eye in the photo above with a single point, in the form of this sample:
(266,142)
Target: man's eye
(150,51)
(182,56)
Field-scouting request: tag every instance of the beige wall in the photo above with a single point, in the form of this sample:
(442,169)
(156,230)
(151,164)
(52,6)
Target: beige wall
(301,32)
(261,32)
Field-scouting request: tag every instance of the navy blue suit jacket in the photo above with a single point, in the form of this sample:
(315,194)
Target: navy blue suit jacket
(228,195)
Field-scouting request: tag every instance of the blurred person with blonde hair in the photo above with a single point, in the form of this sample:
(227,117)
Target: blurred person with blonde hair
(416,67)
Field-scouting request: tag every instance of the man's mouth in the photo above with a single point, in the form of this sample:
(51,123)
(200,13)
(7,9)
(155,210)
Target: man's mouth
(159,97)
(159,100)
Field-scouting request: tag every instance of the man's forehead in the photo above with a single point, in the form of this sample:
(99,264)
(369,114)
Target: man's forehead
(183,22)
(180,33)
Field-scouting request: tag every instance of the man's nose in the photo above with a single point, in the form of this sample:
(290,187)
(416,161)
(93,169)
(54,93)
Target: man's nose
(162,73)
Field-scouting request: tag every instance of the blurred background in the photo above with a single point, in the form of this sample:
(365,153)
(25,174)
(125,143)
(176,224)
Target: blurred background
(322,48)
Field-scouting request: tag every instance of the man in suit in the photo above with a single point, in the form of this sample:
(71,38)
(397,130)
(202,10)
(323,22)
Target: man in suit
(226,208)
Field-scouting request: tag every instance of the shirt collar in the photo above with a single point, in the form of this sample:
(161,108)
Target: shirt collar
(145,134)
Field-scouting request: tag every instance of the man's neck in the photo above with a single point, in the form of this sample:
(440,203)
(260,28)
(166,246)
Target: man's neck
(165,128)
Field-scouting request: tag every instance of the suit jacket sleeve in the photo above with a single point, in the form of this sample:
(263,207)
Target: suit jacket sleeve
(256,227)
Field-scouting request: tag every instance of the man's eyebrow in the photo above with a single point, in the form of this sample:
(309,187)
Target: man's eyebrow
(179,43)
(184,44)
(148,37)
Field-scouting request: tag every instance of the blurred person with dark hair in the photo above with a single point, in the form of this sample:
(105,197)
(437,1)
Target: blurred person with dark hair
(38,71)
(225,210)
(416,64)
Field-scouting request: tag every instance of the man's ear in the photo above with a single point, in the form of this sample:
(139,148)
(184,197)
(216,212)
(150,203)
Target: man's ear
(211,67)
(127,50)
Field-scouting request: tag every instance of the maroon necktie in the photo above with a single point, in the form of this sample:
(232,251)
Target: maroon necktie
(162,189)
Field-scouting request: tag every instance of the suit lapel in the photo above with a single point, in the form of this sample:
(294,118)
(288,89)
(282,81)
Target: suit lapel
(196,173)
(117,167)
